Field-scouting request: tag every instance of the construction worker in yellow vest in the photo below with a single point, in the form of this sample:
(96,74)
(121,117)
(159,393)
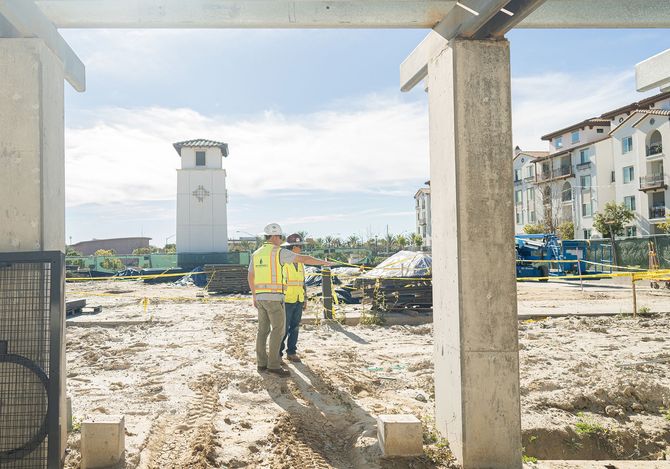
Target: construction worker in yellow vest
(294,279)
(266,280)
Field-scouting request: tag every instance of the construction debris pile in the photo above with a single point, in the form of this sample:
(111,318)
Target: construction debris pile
(227,278)
(402,283)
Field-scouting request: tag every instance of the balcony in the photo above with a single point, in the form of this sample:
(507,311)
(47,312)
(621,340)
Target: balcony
(555,173)
(584,165)
(528,179)
(657,212)
(656,149)
(652,182)
(517,182)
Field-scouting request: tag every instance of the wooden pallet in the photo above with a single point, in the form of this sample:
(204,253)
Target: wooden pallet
(76,307)
(227,278)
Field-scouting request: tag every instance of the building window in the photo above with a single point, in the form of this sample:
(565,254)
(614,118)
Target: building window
(575,136)
(530,194)
(600,131)
(587,209)
(558,142)
(629,202)
(566,192)
(584,156)
(519,218)
(517,175)
(613,176)
(626,144)
(531,171)
(628,174)
(585,182)
(517,197)
(631,231)
(587,234)
(200,158)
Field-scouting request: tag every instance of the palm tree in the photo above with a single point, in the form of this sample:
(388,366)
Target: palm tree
(302,234)
(337,242)
(401,241)
(328,240)
(352,241)
(390,241)
(319,243)
(416,240)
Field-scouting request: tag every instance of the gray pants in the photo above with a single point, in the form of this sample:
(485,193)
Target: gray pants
(272,321)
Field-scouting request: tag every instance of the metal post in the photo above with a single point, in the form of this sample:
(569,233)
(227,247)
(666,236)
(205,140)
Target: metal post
(327,293)
(613,246)
(632,279)
(579,269)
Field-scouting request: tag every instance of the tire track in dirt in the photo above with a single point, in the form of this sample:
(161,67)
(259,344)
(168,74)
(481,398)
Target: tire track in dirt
(182,441)
(319,429)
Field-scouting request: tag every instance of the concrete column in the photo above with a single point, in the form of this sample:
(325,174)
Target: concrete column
(32,180)
(32,170)
(476,343)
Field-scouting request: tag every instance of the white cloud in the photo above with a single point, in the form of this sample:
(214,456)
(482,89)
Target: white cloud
(551,101)
(126,154)
(375,145)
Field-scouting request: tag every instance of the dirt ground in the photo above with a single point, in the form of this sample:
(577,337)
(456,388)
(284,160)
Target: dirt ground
(181,368)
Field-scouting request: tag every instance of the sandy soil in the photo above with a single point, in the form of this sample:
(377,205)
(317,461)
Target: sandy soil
(181,368)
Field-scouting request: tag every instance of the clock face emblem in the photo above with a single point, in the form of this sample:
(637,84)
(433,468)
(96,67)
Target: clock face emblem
(200,193)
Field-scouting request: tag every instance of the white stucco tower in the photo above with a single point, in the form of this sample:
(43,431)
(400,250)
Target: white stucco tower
(201,198)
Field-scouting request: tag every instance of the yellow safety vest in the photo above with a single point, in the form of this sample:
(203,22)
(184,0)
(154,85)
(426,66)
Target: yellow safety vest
(268,276)
(294,279)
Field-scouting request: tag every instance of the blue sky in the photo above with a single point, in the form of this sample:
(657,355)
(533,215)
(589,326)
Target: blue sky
(320,137)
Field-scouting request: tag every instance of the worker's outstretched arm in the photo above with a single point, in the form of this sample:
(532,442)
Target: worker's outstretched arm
(309,260)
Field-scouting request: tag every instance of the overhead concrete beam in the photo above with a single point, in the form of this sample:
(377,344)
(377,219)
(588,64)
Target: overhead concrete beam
(246,13)
(653,72)
(599,14)
(340,13)
(415,67)
(29,22)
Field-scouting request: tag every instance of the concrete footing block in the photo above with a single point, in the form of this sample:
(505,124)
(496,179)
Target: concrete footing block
(102,441)
(400,435)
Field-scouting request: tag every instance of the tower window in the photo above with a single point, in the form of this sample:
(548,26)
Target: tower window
(200,158)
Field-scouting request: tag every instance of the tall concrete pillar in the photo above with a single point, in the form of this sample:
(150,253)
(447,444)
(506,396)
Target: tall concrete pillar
(32,179)
(476,342)
(32,170)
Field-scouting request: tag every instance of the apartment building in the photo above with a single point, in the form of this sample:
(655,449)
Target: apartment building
(525,199)
(618,156)
(638,152)
(423,219)
(573,181)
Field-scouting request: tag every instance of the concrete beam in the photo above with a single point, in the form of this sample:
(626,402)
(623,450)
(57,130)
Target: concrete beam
(27,21)
(246,14)
(415,67)
(340,13)
(599,14)
(653,72)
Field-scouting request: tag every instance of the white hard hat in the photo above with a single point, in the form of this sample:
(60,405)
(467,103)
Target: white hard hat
(273,229)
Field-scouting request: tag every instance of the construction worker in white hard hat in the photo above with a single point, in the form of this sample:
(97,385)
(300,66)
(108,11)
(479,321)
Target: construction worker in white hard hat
(266,281)
(294,279)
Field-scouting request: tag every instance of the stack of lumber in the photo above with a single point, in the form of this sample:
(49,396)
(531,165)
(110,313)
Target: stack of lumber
(227,278)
